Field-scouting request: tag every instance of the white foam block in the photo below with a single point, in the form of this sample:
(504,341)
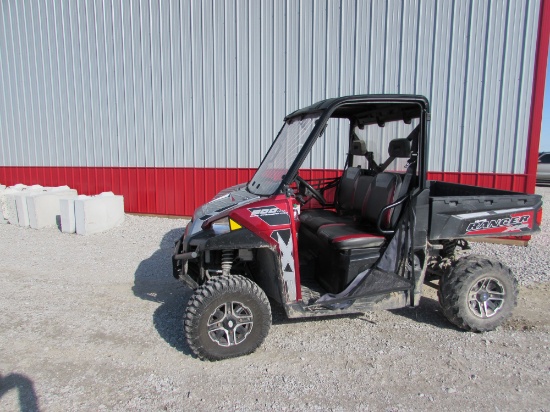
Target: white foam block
(98,213)
(44,208)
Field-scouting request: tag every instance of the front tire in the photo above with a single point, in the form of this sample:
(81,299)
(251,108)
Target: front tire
(478,294)
(226,317)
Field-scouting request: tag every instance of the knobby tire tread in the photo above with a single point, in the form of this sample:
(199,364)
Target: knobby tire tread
(455,283)
(210,290)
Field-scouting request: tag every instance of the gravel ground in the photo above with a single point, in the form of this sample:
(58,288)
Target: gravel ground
(94,323)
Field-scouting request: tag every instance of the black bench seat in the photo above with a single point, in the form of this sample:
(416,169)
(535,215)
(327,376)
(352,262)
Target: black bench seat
(342,236)
(350,197)
(349,239)
(317,218)
(364,198)
(346,241)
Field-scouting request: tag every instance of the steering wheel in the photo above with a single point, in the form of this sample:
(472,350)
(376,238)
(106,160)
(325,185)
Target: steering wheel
(304,188)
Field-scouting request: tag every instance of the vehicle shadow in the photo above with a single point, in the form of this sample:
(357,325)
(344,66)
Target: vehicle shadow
(153,281)
(428,312)
(28,401)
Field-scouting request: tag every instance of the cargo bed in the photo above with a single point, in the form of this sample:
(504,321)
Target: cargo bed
(462,211)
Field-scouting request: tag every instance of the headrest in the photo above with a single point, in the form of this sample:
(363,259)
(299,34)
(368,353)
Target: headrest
(358,148)
(400,148)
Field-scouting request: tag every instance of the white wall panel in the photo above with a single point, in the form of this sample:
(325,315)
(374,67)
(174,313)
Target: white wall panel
(206,83)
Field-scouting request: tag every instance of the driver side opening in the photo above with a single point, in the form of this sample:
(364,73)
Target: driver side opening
(346,235)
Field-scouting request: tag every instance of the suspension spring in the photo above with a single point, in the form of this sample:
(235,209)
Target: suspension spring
(453,247)
(227,261)
(449,247)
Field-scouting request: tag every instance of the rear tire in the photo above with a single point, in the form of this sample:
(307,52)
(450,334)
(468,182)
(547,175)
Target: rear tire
(226,317)
(478,294)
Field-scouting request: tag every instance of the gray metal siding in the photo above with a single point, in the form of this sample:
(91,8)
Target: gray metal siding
(206,83)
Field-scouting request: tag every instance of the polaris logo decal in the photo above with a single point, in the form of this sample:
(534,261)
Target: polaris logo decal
(271,215)
(514,223)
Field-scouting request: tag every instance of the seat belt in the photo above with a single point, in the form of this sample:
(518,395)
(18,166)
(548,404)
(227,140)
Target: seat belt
(408,176)
(404,187)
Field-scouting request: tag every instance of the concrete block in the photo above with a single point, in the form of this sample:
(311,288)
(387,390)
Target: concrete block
(7,201)
(44,208)
(21,203)
(10,208)
(66,206)
(3,220)
(36,188)
(19,187)
(21,209)
(98,213)
(59,189)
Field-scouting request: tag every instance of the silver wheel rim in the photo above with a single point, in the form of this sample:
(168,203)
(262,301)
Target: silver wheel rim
(486,297)
(230,324)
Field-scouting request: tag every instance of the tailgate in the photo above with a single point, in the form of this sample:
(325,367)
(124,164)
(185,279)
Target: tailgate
(494,215)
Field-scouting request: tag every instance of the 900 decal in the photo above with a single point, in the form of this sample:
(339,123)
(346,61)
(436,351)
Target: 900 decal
(515,223)
(271,215)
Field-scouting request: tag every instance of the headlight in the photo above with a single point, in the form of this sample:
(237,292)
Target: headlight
(225,225)
(221,226)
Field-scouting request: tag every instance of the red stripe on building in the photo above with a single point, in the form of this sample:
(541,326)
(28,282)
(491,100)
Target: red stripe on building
(539,80)
(178,191)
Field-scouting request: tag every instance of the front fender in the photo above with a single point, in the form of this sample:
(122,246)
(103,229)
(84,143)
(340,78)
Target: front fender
(238,239)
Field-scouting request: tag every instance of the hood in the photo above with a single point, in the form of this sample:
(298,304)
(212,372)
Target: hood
(224,202)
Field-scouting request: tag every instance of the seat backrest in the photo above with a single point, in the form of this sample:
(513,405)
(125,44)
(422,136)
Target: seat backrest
(362,186)
(346,189)
(382,191)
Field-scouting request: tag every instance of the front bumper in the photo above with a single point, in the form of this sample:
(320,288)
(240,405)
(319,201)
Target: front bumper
(179,264)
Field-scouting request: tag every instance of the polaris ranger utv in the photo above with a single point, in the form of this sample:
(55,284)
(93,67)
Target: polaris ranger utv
(367,238)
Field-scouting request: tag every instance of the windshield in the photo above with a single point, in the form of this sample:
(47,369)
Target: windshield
(282,154)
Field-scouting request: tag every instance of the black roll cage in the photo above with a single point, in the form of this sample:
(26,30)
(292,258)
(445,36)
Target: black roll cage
(381,109)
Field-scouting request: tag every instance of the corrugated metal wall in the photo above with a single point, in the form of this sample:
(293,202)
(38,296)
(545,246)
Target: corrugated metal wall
(126,83)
